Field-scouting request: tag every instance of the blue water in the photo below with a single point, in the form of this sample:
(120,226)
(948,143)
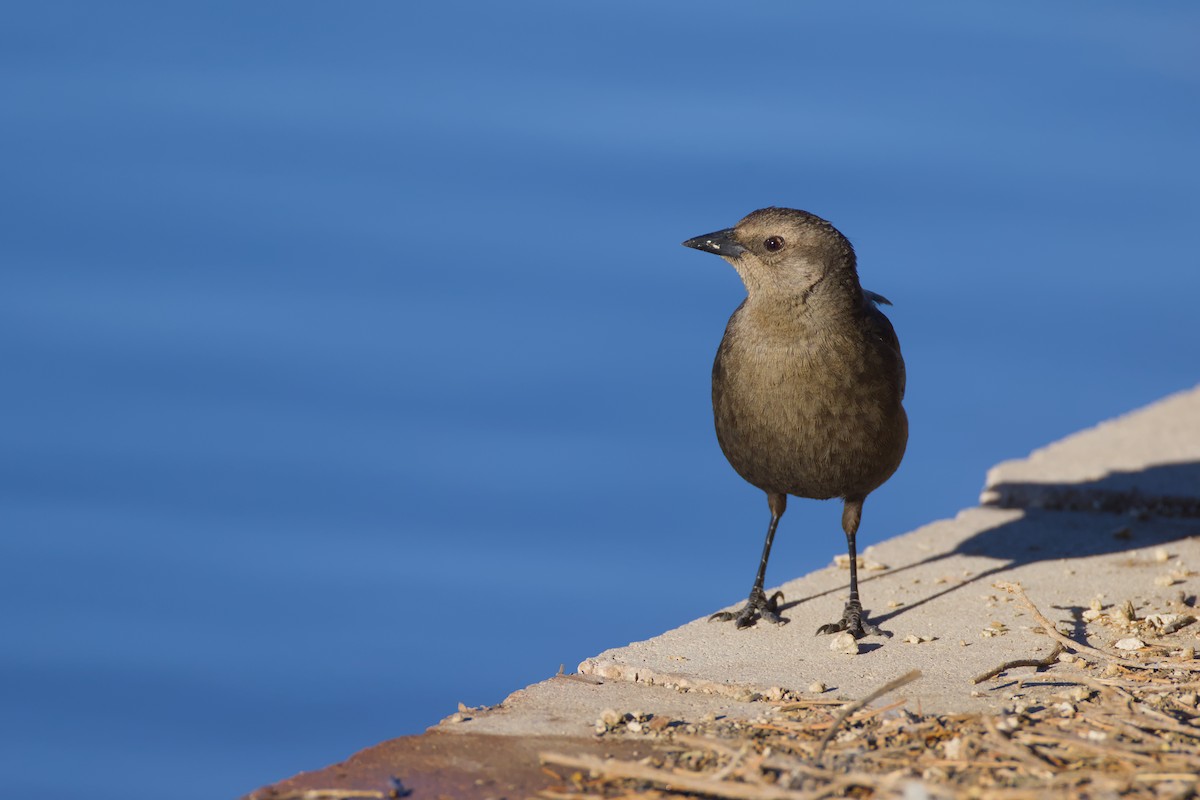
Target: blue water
(352,367)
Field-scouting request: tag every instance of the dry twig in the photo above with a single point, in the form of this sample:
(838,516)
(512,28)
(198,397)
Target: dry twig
(1048,661)
(890,686)
(1054,633)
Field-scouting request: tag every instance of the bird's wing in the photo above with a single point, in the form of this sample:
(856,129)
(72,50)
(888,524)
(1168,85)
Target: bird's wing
(879,326)
(877,299)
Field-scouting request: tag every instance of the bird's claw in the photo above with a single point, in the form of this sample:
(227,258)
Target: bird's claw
(852,622)
(758,606)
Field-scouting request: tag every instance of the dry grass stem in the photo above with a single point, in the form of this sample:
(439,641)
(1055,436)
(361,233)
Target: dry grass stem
(890,686)
(702,785)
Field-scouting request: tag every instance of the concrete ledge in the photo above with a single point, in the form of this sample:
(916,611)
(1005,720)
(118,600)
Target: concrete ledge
(1147,461)
(1107,515)
(938,590)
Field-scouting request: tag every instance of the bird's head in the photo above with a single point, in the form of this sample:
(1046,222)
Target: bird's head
(783,252)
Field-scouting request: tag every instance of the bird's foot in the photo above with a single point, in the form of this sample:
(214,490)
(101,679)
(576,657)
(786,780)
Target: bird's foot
(854,623)
(758,606)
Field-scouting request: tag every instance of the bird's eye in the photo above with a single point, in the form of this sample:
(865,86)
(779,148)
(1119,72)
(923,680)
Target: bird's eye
(773,243)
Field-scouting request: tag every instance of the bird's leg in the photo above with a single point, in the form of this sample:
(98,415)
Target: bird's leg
(852,618)
(759,605)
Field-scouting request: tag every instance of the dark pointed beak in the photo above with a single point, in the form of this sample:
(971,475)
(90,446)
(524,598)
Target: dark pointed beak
(722,243)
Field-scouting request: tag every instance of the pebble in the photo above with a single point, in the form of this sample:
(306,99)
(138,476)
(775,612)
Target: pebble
(844,643)
(953,748)
(1169,623)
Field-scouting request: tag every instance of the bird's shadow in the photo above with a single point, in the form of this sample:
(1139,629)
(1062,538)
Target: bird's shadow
(1129,498)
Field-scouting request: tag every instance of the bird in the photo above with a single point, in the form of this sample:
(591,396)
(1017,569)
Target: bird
(807,384)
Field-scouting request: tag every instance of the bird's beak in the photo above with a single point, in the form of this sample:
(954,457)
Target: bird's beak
(722,243)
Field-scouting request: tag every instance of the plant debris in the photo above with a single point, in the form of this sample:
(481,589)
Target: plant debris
(1124,724)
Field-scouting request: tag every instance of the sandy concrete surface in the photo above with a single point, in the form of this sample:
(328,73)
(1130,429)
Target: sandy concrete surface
(1105,516)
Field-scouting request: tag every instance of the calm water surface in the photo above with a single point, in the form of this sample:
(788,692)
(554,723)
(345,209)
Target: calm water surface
(353,367)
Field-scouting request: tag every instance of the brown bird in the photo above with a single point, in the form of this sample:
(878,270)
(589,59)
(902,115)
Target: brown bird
(807,383)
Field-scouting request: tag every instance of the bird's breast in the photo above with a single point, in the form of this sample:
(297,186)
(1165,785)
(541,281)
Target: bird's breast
(815,416)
